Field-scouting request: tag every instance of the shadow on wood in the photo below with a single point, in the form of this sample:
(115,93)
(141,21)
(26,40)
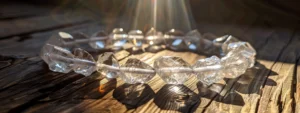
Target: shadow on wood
(133,95)
(177,97)
(230,92)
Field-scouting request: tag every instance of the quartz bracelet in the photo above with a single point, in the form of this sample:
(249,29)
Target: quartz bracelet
(236,55)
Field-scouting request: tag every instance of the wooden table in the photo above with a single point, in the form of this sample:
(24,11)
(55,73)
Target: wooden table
(273,85)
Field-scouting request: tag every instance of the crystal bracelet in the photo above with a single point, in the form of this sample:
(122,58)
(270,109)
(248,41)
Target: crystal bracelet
(237,56)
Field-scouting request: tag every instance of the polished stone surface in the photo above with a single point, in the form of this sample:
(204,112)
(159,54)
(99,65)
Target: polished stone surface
(172,77)
(95,43)
(132,77)
(118,38)
(83,60)
(210,76)
(174,39)
(57,58)
(108,58)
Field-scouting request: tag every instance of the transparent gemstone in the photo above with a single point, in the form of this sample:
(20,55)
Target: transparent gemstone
(228,39)
(211,76)
(154,37)
(175,39)
(218,42)
(196,42)
(173,76)
(62,39)
(57,58)
(234,64)
(118,38)
(81,39)
(245,49)
(193,40)
(133,77)
(107,58)
(136,37)
(84,62)
(98,40)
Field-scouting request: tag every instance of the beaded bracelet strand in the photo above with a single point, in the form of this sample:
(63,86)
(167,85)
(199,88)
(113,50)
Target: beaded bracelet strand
(237,56)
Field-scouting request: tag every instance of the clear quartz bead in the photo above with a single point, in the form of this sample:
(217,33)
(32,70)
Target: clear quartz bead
(154,39)
(193,40)
(98,40)
(210,76)
(228,39)
(84,62)
(107,58)
(57,58)
(245,49)
(174,39)
(218,42)
(81,39)
(234,64)
(132,77)
(196,42)
(172,76)
(136,37)
(63,40)
(118,38)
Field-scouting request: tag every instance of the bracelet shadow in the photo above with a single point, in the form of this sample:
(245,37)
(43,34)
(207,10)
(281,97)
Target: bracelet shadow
(231,92)
(183,99)
(133,95)
(177,97)
(90,87)
(169,97)
(85,90)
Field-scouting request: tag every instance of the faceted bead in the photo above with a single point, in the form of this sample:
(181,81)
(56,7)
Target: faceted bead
(62,39)
(154,37)
(84,62)
(211,76)
(107,58)
(196,42)
(218,42)
(98,40)
(228,39)
(136,77)
(245,49)
(57,58)
(136,37)
(172,77)
(81,40)
(234,64)
(118,38)
(174,39)
(193,40)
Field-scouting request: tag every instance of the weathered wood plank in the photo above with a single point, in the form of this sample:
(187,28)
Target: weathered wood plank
(32,44)
(247,88)
(297,87)
(279,98)
(40,23)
